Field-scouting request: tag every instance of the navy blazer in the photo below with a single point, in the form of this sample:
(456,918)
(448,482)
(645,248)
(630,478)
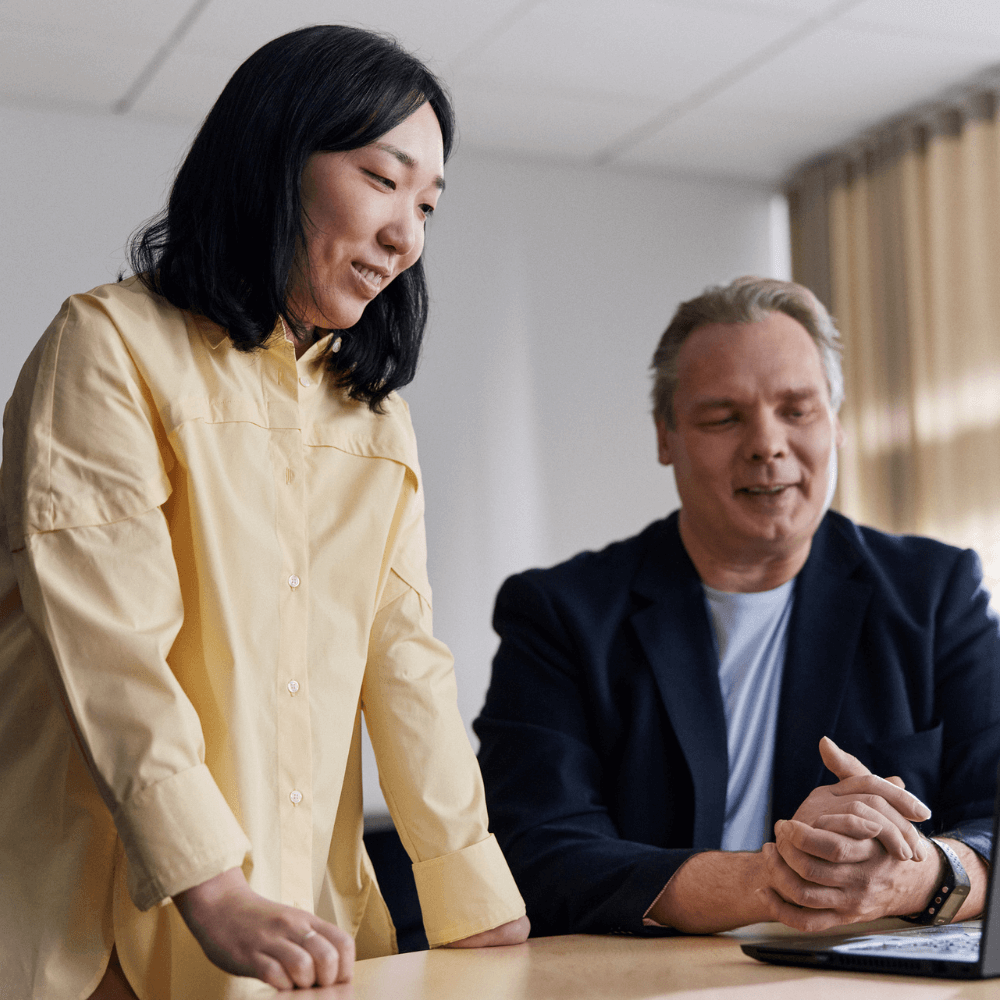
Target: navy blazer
(603,736)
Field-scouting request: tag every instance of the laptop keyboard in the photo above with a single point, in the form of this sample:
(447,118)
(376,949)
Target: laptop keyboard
(955,942)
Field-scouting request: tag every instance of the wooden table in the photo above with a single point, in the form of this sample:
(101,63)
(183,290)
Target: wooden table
(585,967)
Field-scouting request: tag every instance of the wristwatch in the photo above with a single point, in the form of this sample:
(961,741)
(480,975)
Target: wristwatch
(947,899)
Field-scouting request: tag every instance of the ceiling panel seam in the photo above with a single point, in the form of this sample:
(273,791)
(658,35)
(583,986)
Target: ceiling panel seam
(124,104)
(494,32)
(722,82)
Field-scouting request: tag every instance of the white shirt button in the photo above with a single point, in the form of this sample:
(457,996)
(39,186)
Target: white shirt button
(293,581)
(293,687)
(306,381)
(296,796)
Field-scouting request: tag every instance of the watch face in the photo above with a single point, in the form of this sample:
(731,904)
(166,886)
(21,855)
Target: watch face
(945,904)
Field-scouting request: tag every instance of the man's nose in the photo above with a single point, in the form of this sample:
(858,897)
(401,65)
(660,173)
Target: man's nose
(765,438)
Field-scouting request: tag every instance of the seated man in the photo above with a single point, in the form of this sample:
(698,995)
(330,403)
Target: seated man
(656,708)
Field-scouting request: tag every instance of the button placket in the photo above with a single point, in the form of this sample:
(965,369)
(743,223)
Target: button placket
(293,708)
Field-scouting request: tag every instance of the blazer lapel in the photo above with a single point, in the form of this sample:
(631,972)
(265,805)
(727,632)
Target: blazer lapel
(823,638)
(676,637)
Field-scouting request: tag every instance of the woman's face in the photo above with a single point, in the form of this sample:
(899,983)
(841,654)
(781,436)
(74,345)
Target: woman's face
(363,213)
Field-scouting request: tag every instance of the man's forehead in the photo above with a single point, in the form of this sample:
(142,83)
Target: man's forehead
(775,356)
(801,394)
(777,337)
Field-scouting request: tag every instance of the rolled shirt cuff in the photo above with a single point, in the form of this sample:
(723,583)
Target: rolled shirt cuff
(466,892)
(178,833)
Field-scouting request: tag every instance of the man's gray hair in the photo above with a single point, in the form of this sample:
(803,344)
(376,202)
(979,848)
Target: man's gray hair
(745,300)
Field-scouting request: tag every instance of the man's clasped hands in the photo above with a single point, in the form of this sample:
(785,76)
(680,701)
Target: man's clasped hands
(850,852)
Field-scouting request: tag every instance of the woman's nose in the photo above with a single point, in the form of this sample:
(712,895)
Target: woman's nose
(402,235)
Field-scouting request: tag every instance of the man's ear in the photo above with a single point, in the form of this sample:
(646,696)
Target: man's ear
(840,435)
(663,443)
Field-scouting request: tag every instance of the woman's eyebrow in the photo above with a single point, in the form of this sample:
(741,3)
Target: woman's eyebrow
(406,160)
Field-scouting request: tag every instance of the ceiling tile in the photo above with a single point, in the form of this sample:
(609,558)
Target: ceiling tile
(437,32)
(864,76)
(188,83)
(820,93)
(558,79)
(722,141)
(648,49)
(185,88)
(799,9)
(536,123)
(67,71)
(969,20)
(118,22)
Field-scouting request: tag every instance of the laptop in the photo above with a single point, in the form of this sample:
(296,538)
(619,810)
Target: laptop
(967,950)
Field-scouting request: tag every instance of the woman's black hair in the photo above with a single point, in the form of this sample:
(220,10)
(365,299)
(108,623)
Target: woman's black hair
(225,244)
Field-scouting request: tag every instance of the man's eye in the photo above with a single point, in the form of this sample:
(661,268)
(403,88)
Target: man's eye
(428,210)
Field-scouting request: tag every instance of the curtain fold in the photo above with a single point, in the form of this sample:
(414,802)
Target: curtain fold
(899,235)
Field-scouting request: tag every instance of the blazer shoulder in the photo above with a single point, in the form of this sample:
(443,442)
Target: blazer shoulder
(603,575)
(895,551)
(906,564)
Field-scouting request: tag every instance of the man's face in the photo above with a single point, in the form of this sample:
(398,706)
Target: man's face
(754,438)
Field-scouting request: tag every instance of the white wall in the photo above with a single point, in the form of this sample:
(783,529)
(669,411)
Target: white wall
(550,287)
(72,188)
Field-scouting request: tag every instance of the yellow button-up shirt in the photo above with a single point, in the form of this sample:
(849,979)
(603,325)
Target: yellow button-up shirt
(211,563)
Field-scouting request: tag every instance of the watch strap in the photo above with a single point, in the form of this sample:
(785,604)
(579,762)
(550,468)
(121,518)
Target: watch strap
(947,898)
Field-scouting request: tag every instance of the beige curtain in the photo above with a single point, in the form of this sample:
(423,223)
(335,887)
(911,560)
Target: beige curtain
(900,236)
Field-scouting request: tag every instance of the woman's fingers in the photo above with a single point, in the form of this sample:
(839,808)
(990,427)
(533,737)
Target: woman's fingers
(319,955)
(269,970)
(338,949)
(248,935)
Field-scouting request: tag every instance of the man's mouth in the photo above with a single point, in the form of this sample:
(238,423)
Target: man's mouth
(762,491)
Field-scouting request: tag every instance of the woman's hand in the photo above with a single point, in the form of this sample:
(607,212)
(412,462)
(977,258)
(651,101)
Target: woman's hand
(514,932)
(248,935)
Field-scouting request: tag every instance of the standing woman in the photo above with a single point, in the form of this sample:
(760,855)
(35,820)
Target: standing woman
(213,561)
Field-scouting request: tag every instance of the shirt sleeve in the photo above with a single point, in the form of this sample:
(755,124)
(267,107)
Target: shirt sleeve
(427,770)
(548,784)
(85,471)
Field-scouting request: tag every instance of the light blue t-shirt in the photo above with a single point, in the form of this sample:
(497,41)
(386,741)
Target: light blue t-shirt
(751,633)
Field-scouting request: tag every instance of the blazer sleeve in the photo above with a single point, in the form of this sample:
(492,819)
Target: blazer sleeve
(967,695)
(544,780)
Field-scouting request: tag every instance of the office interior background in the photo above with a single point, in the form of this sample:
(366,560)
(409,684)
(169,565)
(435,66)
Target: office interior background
(613,159)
